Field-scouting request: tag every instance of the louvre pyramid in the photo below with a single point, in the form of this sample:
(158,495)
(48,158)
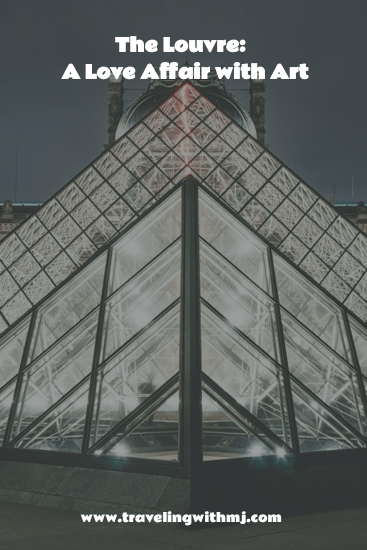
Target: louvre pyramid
(186,297)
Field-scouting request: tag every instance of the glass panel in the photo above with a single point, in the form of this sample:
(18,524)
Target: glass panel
(3,325)
(266,164)
(359,248)
(51,213)
(172,107)
(66,231)
(142,299)
(303,197)
(136,373)
(233,135)
(203,165)
(8,287)
(101,231)
(249,149)
(24,269)
(11,351)
(171,135)
(238,300)
(137,196)
(317,429)
(155,149)
(46,249)
(217,121)
(310,306)
(224,438)
(187,94)
(122,180)
(308,231)
(10,249)
(236,197)
(202,134)
(39,286)
(270,197)
(219,180)
(187,121)
(81,249)
(202,107)
(55,373)
(360,342)
(64,310)
(342,231)
(314,267)
(70,197)
(146,240)
(218,149)
(88,180)
(349,269)
(139,164)
(332,380)
(357,305)
(233,241)
(6,400)
(119,214)
(250,378)
(155,438)
(156,121)
(255,214)
(16,307)
(293,248)
(284,180)
(60,268)
(336,286)
(154,180)
(322,213)
(85,214)
(62,429)
(107,164)
(31,231)
(289,213)
(328,250)
(186,149)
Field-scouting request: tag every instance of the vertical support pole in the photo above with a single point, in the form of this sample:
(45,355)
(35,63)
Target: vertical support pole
(357,366)
(96,354)
(283,357)
(191,451)
(18,385)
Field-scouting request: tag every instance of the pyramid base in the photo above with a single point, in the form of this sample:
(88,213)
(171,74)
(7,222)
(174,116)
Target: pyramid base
(254,487)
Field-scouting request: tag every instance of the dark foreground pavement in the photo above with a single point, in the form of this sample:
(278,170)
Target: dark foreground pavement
(32,528)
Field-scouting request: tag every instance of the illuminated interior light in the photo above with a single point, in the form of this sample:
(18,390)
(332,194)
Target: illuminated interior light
(280,452)
(256,450)
(121,449)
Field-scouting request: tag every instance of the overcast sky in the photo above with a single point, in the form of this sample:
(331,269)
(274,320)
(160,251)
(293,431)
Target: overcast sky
(316,126)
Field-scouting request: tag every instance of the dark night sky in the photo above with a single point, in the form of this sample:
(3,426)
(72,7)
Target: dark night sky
(316,126)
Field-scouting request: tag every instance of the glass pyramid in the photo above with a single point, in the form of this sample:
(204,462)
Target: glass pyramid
(185,298)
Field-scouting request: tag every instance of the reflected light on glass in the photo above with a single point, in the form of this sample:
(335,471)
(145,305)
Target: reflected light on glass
(280,452)
(256,450)
(121,450)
